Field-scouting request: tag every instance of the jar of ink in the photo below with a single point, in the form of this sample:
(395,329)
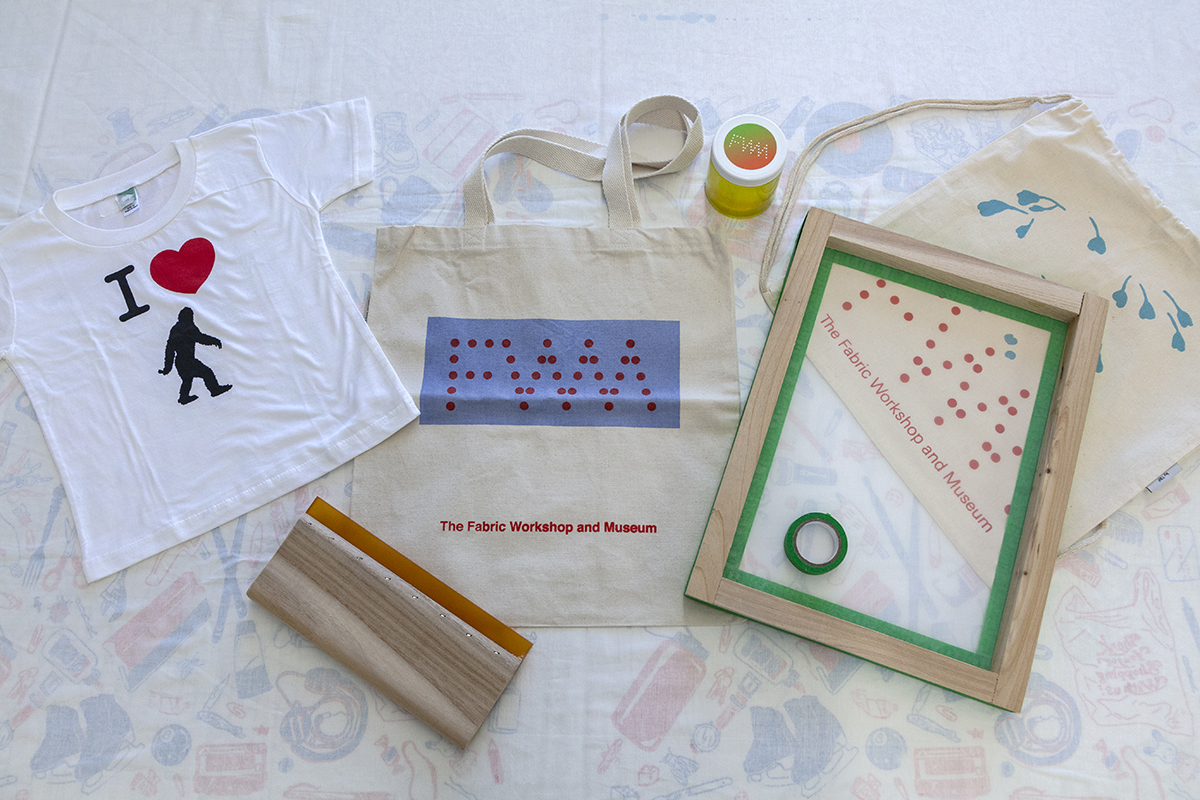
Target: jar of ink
(744,168)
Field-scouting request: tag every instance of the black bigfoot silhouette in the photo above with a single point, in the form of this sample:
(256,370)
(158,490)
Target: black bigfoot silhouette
(181,351)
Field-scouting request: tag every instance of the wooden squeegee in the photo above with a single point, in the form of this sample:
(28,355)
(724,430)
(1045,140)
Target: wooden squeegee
(399,628)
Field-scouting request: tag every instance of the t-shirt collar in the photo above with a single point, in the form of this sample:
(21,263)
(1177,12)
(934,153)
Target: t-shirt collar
(179,153)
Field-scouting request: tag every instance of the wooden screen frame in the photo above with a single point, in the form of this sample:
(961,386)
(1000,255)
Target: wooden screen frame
(1003,684)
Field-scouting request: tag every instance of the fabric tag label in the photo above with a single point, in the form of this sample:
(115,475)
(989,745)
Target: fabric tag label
(1161,479)
(620,373)
(128,201)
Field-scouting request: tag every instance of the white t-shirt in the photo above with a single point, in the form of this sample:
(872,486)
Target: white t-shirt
(200,356)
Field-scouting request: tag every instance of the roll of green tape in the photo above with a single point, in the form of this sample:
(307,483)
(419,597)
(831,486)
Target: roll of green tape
(800,562)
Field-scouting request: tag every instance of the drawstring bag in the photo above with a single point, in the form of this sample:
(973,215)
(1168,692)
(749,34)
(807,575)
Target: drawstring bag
(578,394)
(1055,198)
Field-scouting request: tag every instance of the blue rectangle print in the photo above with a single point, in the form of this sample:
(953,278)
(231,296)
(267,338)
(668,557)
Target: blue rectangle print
(612,372)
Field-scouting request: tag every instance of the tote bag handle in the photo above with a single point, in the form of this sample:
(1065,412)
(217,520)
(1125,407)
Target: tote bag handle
(613,167)
(810,153)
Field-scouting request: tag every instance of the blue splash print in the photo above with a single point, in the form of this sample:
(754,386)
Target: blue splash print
(1147,310)
(1030,201)
(1185,319)
(1028,198)
(990,208)
(1096,243)
(1100,361)
(1120,296)
(1179,320)
(1177,341)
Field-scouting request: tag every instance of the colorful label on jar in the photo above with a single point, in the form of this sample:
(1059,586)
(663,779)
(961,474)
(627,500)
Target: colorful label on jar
(750,146)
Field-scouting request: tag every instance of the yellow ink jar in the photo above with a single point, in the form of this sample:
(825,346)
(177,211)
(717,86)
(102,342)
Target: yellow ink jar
(744,168)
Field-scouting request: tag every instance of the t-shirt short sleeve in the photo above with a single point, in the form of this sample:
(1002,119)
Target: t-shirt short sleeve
(319,153)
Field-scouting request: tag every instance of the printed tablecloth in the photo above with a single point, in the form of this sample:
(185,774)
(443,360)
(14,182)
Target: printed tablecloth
(164,681)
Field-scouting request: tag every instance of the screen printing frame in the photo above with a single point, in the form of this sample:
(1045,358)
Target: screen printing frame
(1003,683)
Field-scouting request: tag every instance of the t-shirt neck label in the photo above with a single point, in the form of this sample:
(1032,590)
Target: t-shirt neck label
(128,201)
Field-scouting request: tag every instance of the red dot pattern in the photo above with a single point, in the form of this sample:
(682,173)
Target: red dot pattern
(975,367)
(548,343)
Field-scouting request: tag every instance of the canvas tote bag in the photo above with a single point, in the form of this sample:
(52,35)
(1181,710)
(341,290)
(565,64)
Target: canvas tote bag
(578,395)
(1054,197)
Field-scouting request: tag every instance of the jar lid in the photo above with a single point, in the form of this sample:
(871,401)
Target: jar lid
(749,150)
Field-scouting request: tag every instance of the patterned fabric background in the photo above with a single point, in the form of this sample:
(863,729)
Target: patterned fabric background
(164,681)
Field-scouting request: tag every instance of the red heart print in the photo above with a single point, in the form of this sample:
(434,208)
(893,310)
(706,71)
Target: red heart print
(184,270)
